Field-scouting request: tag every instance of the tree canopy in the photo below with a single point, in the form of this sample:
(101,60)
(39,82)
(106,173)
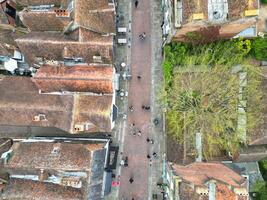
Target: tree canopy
(205,89)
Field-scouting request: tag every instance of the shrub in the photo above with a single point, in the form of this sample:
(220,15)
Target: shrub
(259,48)
(201,84)
(260,188)
(264,1)
(263,168)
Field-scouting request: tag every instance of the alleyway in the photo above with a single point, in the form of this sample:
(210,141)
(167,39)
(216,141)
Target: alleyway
(136,147)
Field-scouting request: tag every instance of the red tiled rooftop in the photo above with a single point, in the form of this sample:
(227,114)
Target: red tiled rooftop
(77,78)
(52,156)
(56,46)
(20,102)
(43,21)
(20,189)
(97,16)
(200,173)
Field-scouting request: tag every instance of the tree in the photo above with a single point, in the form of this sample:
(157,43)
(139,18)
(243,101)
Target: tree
(260,188)
(259,48)
(205,94)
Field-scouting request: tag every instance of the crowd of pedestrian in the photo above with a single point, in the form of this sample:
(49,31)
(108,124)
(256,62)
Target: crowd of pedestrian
(134,129)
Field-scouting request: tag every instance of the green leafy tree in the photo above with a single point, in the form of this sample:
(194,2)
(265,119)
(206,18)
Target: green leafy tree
(260,188)
(205,94)
(259,48)
(263,168)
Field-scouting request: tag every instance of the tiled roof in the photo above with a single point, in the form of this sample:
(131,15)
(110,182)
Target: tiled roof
(4,50)
(52,156)
(200,173)
(7,43)
(20,189)
(94,109)
(20,102)
(95,15)
(38,2)
(236,8)
(43,21)
(5,144)
(77,78)
(52,45)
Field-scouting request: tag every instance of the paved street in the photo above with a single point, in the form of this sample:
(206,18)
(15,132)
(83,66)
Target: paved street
(145,172)
(136,147)
(143,58)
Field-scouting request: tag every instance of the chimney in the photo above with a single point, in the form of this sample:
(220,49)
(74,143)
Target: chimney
(199,146)
(212,190)
(43,175)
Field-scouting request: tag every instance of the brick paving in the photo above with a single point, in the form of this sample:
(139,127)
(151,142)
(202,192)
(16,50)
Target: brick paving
(136,147)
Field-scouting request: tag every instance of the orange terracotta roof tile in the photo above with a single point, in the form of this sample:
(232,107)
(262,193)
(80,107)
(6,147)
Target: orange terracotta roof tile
(52,156)
(94,109)
(77,78)
(43,21)
(200,173)
(97,16)
(29,190)
(52,45)
(38,2)
(223,192)
(21,103)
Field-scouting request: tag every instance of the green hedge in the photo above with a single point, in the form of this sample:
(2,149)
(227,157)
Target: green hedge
(264,1)
(259,48)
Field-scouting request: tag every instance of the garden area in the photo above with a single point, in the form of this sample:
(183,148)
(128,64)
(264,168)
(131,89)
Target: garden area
(261,186)
(215,90)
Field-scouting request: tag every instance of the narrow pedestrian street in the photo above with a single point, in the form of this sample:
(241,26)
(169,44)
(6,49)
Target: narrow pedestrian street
(135,146)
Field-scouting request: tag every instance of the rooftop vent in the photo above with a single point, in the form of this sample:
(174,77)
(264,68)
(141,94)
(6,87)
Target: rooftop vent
(55,150)
(40,117)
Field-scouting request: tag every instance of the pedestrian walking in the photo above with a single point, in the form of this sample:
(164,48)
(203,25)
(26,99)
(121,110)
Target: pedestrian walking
(150,162)
(147,140)
(131,180)
(133,124)
(139,133)
(154,154)
(138,77)
(131,108)
(147,107)
(151,141)
(136,3)
(143,107)
(144,34)
(148,156)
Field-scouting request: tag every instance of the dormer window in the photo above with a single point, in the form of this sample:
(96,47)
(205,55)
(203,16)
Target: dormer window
(40,117)
(55,151)
(79,127)
(97,59)
(217,10)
